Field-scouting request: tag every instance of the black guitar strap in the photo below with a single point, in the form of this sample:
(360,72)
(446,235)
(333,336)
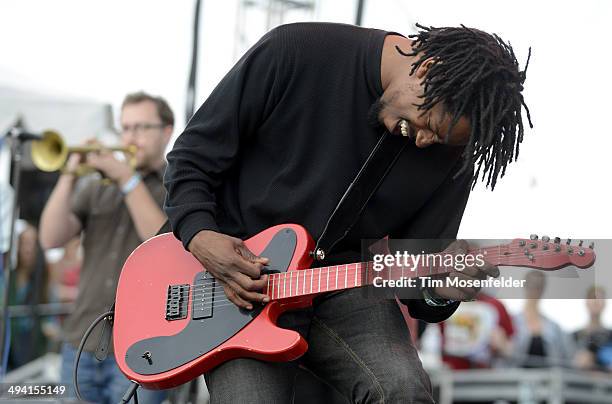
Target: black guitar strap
(359,192)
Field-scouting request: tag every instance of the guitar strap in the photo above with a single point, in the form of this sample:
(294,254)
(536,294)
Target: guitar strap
(359,192)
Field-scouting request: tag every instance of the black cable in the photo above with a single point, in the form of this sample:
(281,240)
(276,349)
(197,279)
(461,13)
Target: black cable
(129,393)
(80,350)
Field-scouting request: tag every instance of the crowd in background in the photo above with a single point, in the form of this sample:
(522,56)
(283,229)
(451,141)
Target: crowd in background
(482,334)
(40,278)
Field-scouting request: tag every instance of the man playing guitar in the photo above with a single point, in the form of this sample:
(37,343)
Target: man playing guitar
(282,136)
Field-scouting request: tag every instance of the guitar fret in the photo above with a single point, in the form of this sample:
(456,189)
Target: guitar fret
(319,273)
(268,290)
(290,278)
(284,284)
(356,274)
(278,287)
(297,284)
(345,276)
(327,286)
(336,277)
(311,276)
(304,284)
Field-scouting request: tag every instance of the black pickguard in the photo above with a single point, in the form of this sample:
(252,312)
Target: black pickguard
(161,354)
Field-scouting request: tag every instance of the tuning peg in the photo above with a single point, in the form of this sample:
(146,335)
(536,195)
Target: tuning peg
(581,252)
(545,239)
(570,250)
(592,245)
(557,248)
(580,243)
(569,241)
(533,237)
(557,240)
(545,247)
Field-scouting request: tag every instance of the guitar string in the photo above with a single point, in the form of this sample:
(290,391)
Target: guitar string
(197,292)
(345,267)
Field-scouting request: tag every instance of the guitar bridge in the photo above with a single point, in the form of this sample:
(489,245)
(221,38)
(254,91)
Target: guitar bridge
(176,302)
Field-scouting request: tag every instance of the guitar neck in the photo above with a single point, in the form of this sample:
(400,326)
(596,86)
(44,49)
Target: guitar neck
(313,281)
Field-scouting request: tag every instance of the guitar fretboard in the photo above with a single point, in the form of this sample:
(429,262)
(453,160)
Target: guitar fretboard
(328,279)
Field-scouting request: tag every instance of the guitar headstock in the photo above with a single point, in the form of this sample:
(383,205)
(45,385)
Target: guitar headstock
(550,254)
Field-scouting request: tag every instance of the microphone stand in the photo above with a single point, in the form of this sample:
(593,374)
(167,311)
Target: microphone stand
(17,138)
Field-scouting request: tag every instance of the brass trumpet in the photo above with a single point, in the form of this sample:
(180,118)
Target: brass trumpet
(51,153)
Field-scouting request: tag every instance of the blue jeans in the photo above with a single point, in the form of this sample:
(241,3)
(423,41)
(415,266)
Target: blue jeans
(358,345)
(101,382)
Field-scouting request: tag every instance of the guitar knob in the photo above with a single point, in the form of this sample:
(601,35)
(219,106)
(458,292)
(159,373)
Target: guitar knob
(533,237)
(557,248)
(592,245)
(530,256)
(569,241)
(545,239)
(522,243)
(557,240)
(580,243)
(545,247)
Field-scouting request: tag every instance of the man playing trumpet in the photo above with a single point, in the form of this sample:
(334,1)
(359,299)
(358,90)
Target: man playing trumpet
(114,218)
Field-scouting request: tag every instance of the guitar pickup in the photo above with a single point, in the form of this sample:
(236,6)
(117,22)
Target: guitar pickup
(204,292)
(176,302)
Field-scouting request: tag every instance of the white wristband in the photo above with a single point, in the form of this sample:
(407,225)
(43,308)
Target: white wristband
(131,184)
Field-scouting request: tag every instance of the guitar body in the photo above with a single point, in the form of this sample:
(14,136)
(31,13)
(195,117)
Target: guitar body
(173,321)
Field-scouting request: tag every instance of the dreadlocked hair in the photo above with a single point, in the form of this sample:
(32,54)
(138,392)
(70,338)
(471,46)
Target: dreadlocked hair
(475,75)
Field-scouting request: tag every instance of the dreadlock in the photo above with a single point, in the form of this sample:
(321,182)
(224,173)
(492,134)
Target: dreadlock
(476,75)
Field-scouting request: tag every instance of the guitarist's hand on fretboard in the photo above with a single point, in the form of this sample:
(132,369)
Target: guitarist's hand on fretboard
(471,272)
(233,265)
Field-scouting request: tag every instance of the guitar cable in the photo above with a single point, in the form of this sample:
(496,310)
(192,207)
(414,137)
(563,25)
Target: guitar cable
(131,392)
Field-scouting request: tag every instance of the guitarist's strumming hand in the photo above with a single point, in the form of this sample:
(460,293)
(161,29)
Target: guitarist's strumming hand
(233,265)
(470,272)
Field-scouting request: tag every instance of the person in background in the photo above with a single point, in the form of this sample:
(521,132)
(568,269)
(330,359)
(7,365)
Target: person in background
(594,341)
(478,335)
(66,270)
(29,286)
(114,220)
(539,341)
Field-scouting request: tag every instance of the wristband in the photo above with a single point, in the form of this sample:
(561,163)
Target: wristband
(131,184)
(433,301)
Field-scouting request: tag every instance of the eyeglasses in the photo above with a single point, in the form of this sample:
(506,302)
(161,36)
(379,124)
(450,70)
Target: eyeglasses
(141,127)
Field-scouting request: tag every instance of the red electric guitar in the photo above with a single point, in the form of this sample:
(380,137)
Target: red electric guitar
(173,321)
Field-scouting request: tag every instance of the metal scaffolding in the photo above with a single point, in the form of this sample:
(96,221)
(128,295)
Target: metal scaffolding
(255,17)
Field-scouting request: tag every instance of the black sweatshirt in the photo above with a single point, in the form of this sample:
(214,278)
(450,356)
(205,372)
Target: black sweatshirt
(285,132)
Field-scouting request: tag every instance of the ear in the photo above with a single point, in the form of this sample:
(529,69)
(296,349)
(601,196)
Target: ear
(424,68)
